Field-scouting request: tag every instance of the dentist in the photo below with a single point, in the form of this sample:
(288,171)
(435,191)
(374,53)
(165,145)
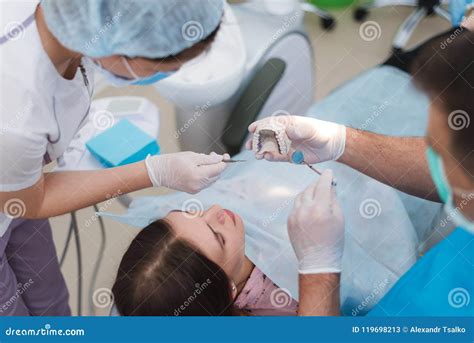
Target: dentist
(48,53)
(439,166)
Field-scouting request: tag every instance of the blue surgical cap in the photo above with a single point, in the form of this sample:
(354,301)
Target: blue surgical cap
(133,28)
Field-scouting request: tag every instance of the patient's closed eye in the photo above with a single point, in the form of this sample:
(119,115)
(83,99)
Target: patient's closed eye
(218,236)
(221,238)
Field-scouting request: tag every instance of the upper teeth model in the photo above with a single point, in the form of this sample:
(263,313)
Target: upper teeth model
(270,138)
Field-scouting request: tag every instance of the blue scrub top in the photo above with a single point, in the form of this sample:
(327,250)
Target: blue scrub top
(441,283)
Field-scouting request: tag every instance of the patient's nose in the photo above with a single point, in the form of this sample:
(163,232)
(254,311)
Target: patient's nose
(213,213)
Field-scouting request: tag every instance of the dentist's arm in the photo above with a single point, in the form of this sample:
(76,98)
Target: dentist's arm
(397,161)
(58,193)
(316,231)
(319,294)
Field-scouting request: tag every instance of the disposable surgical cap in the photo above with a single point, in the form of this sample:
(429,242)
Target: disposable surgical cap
(133,28)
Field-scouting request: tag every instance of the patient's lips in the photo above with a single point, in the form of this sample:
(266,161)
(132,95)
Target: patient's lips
(231,215)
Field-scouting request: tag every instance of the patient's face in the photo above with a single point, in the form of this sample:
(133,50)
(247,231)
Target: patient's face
(218,233)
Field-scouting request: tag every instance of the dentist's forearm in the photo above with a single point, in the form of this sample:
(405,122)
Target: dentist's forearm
(68,191)
(399,162)
(319,294)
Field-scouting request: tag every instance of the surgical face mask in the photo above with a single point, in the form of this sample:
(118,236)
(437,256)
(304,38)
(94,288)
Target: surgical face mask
(136,81)
(446,193)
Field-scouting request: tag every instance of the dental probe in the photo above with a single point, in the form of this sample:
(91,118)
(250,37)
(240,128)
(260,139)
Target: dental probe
(233,161)
(297,157)
(228,161)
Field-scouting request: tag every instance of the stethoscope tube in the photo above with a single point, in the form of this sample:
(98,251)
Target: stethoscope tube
(91,92)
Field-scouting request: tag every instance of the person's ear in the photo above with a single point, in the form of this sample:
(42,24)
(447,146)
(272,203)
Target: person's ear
(233,290)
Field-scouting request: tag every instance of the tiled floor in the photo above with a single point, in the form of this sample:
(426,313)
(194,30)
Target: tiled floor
(340,55)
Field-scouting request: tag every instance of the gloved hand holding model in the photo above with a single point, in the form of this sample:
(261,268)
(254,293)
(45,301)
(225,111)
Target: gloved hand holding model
(185,171)
(319,140)
(316,228)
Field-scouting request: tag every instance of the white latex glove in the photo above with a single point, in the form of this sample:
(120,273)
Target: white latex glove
(185,171)
(319,140)
(316,228)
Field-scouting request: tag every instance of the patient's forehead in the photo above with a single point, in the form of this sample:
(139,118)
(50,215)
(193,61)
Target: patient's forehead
(185,224)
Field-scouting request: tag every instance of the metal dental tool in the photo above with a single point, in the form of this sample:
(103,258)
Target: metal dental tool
(229,161)
(297,157)
(233,161)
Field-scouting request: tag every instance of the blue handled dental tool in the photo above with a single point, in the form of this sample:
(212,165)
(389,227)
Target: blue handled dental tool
(297,157)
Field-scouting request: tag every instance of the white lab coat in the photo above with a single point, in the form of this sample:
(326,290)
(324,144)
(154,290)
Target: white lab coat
(40,110)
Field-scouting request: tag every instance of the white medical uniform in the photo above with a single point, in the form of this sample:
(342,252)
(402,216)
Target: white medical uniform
(40,112)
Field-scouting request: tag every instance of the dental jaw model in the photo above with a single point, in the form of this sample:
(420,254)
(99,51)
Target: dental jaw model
(271,138)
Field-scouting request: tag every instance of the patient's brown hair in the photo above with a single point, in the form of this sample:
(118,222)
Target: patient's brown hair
(163,275)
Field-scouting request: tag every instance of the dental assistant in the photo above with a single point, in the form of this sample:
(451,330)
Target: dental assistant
(48,54)
(437,167)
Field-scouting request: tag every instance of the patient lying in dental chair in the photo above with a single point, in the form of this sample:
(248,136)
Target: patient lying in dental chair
(194,264)
(240,260)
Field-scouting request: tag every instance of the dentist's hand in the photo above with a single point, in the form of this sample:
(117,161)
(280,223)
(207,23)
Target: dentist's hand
(185,171)
(319,140)
(316,228)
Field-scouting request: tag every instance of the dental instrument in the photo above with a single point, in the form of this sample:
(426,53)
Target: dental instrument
(228,161)
(233,161)
(297,157)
